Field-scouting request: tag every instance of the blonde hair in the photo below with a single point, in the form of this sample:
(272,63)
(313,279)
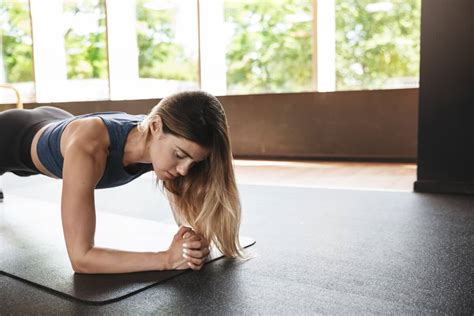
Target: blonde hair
(207,198)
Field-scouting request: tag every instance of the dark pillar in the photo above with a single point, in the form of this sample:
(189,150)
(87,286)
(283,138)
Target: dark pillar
(446,109)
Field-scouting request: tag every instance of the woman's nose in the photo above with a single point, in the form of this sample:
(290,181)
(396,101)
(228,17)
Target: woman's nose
(182,169)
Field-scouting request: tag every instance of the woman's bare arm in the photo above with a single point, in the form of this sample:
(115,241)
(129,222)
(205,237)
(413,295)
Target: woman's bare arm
(84,164)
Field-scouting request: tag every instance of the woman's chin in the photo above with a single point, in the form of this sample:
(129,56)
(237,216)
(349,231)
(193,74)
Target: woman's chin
(163,176)
(160,175)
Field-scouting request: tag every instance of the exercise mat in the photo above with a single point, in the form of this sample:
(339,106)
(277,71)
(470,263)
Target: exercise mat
(33,250)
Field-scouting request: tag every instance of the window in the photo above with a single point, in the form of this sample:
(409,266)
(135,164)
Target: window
(377,44)
(167,46)
(137,49)
(85,33)
(269,46)
(16,51)
(86,48)
(153,48)
(69,50)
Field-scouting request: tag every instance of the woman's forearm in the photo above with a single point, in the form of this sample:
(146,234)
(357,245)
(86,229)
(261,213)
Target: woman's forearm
(104,260)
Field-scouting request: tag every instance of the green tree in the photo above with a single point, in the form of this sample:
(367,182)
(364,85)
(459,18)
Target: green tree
(17,50)
(86,53)
(373,46)
(159,54)
(271,47)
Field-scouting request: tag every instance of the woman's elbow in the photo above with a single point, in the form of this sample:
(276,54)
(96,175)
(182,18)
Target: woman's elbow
(79,265)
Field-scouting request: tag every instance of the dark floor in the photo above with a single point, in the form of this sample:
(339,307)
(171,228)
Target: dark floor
(318,251)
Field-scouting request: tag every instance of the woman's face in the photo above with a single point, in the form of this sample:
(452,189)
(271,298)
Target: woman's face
(172,156)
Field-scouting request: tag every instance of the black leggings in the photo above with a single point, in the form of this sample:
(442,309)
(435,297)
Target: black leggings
(17,129)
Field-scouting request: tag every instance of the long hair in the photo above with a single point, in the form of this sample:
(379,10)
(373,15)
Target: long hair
(207,198)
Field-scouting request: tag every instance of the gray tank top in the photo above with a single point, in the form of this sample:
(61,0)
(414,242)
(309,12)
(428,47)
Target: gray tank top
(119,124)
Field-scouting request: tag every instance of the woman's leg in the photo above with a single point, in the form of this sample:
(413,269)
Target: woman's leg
(17,129)
(11,126)
(1,190)
(7,137)
(40,117)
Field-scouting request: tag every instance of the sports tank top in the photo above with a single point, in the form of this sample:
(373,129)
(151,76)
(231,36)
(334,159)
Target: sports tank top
(119,125)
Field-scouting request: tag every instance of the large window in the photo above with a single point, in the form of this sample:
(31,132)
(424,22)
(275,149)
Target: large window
(153,47)
(69,50)
(85,47)
(16,51)
(132,49)
(167,45)
(84,37)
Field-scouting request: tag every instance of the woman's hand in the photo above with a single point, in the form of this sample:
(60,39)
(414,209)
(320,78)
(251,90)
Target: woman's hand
(187,250)
(175,251)
(195,250)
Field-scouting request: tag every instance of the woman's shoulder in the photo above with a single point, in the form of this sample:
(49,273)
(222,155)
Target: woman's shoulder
(88,133)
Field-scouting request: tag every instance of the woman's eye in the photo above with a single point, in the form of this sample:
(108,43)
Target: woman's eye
(180,157)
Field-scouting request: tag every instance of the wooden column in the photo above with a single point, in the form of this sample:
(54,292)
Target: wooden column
(446,107)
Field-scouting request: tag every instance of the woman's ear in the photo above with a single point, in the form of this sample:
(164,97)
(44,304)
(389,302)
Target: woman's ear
(156,126)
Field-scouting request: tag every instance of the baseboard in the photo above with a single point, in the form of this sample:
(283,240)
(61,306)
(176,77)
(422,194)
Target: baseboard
(430,186)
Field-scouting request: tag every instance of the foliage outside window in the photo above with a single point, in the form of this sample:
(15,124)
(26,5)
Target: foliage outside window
(270,47)
(377,44)
(85,39)
(161,55)
(16,46)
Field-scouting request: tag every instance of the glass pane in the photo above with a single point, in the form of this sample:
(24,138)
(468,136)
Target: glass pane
(16,59)
(269,46)
(377,44)
(85,39)
(86,50)
(168,45)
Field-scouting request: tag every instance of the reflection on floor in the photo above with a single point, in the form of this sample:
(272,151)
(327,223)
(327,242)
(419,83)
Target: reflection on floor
(351,175)
(342,175)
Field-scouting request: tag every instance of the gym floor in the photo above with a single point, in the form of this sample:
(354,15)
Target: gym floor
(332,238)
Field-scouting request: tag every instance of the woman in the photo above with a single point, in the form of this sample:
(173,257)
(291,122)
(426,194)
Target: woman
(184,140)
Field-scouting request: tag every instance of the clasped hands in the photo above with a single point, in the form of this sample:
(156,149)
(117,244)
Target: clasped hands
(188,249)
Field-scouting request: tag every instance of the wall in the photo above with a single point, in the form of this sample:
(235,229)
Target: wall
(379,125)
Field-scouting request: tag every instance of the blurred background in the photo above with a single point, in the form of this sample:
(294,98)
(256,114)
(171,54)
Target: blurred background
(302,81)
